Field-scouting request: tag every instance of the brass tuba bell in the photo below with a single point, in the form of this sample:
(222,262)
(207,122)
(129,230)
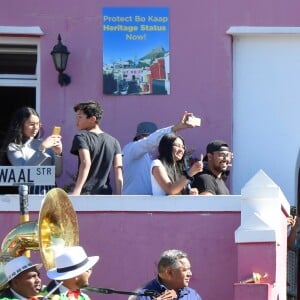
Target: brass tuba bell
(56,227)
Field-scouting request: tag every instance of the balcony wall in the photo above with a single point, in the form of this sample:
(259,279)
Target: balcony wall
(129,234)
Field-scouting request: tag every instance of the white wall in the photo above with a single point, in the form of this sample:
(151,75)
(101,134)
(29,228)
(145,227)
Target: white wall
(266,105)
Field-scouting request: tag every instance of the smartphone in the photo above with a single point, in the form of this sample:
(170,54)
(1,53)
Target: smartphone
(56,130)
(193,121)
(293,211)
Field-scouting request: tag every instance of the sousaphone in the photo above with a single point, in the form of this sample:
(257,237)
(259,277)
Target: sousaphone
(57,227)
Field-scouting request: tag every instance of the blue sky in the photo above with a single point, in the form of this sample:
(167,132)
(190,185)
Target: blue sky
(116,43)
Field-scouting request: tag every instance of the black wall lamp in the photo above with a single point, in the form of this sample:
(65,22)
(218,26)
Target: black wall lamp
(60,56)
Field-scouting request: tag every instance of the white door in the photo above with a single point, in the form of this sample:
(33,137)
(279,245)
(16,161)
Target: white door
(266,106)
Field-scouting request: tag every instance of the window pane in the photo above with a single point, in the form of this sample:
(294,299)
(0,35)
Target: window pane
(18,59)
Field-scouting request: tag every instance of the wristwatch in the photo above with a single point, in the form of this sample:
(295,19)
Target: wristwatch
(187,176)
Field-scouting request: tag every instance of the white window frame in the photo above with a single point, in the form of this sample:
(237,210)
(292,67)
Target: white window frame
(22,35)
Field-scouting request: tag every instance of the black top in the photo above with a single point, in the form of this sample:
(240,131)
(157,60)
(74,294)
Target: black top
(206,181)
(103,148)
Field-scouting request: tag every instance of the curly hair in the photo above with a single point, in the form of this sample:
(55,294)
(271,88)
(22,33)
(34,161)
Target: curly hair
(90,109)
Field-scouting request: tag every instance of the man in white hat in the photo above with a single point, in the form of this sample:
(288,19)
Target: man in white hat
(23,279)
(73,267)
(137,155)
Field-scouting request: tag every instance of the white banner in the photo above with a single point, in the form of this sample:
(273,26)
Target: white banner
(31,175)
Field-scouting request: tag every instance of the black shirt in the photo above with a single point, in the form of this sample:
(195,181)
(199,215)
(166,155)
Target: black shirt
(206,181)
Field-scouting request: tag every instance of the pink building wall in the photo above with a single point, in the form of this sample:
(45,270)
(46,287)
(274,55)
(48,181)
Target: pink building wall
(200,64)
(130,243)
(129,234)
(201,81)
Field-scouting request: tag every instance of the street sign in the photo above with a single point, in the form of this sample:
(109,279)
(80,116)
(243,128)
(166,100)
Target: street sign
(29,175)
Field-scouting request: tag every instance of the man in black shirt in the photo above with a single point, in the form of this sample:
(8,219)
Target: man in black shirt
(211,180)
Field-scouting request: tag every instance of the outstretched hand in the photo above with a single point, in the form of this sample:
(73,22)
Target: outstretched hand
(193,191)
(291,220)
(54,142)
(182,123)
(197,166)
